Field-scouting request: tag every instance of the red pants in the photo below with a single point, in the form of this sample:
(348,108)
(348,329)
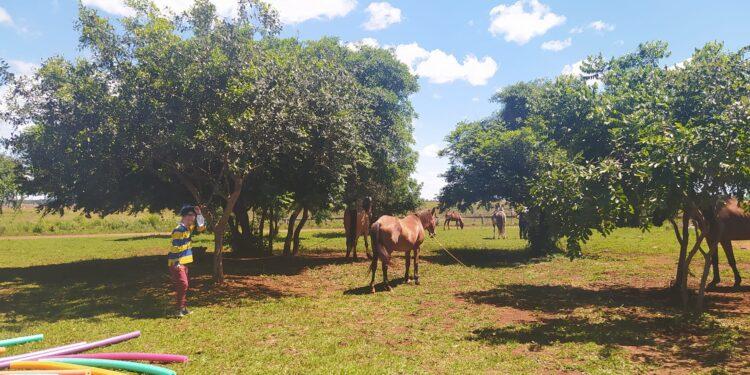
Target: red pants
(179,277)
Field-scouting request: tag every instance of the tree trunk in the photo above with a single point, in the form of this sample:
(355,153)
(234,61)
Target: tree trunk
(243,220)
(290,231)
(299,229)
(262,225)
(683,238)
(221,226)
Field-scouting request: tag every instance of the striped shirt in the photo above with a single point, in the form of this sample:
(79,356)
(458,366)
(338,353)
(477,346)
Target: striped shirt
(182,247)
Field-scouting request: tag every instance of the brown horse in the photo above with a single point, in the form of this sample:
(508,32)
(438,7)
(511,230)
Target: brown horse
(732,223)
(356,224)
(390,234)
(453,216)
(498,221)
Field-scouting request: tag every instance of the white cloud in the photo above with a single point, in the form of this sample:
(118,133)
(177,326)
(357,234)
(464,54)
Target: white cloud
(519,24)
(22,67)
(369,42)
(441,67)
(5,18)
(573,69)
(430,151)
(557,45)
(290,11)
(294,11)
(576,30)
(601,26)
(679,65)
(475,99)
(382,15)
(471,23)
(410,53)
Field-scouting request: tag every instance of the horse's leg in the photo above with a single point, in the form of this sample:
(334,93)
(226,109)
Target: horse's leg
(367,247)
(729,251)
(493,230)
(385,275)
(416,265)
(348,245)
(373,270)
(408,263)
(715,264)
(354,245)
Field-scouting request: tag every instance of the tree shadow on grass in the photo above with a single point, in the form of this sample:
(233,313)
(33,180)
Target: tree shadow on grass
(143,237)
(646,318)
(136,287)
(328,234)
(485,258)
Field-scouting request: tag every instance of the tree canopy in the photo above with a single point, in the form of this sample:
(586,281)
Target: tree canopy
(168,109)
(628,142)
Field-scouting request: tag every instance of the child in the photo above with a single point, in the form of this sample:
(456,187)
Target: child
(182,253)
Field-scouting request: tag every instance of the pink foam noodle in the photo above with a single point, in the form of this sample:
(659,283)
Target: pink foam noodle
(147,357)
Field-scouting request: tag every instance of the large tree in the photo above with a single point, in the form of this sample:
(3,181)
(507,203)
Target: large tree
(629,142)
(176,109)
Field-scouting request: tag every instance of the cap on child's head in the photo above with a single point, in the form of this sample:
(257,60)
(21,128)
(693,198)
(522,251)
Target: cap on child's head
(187,209)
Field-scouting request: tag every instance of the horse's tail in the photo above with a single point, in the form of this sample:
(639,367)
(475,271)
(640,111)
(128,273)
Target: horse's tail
(378,250)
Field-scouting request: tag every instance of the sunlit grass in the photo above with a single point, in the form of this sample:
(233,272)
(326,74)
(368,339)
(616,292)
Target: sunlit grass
(506,313)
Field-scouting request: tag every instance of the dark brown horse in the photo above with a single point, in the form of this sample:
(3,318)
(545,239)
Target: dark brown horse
(390,234)
(732,223)
(453,216)
(357,224)
(523,224)
(498,221)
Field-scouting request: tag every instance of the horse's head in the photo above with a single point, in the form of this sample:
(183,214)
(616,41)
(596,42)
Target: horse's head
(428,219)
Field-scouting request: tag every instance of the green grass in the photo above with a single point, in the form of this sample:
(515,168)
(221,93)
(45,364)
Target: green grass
(28,221)
(506,313)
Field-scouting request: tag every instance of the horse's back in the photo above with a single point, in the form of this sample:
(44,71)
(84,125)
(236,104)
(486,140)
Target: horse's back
(399,234)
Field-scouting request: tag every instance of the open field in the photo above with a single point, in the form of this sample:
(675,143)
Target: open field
(606,313)
(29,222)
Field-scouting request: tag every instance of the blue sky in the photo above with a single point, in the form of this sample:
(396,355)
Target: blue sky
(464,51)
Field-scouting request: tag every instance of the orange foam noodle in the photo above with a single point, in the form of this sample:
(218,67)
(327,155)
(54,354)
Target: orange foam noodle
(2,349)
(34,365)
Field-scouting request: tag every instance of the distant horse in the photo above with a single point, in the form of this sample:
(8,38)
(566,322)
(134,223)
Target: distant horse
(498,221)
(523,224)
(389,234)
(732,223)
(453,216)
(356,224)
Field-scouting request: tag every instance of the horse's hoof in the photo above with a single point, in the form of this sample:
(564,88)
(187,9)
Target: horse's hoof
(712,285)
(388,288)
(408,280)
(416,281)
(737,283)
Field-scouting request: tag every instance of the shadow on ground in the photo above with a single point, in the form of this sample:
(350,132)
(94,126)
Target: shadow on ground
(136,287)
(632,317)
(485,258)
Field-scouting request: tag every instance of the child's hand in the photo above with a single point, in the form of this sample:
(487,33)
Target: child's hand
(198,210)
